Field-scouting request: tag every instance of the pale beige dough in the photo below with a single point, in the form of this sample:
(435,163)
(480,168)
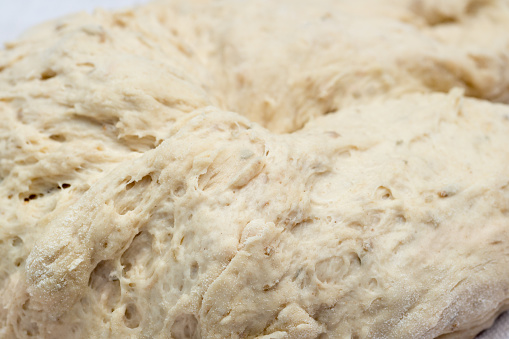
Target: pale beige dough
(361,189)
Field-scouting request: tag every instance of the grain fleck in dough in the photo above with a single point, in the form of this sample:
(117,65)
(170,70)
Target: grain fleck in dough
(241,169)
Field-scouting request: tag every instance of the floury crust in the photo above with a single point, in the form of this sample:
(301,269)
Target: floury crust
(361,189)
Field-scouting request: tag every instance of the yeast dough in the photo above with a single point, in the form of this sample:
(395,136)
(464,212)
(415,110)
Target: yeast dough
(257,169)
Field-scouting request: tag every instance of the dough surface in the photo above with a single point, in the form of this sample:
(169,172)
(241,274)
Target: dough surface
(257,169)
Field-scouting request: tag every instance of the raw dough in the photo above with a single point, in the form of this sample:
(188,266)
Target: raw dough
(362,191)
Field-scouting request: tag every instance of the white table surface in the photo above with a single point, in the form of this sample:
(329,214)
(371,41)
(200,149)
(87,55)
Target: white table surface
(18,15)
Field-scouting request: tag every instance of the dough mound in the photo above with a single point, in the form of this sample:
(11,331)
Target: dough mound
(257,169)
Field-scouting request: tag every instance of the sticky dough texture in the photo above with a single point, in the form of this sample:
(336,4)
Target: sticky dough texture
(360,191)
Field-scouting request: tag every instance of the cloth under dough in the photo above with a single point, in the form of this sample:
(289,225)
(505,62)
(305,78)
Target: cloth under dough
(257,169)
